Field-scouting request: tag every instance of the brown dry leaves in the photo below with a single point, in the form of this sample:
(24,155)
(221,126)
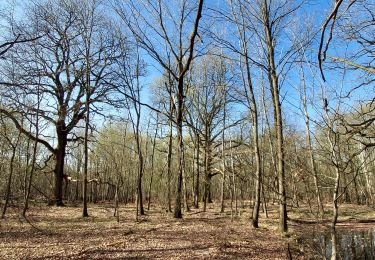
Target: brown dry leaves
(61,233)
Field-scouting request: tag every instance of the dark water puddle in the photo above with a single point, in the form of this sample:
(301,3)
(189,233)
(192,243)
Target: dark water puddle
(342,243)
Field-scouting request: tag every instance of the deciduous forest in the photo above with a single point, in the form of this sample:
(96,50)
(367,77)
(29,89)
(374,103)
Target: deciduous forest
(181,129)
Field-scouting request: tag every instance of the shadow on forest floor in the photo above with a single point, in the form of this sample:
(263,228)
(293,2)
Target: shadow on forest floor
(61,233)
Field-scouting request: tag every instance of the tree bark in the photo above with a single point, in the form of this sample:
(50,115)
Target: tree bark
(274,84)
(169,158)
(311,154)
(152,165)
(33,160)
(180,98)
(60,153)
(196,190)
(9,183)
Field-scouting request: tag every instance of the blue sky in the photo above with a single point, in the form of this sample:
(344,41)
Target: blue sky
(316,10)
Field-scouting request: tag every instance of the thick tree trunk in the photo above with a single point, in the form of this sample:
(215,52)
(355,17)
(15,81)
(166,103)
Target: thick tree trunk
(177,209)
(140,175)
(60,153)
(139,194)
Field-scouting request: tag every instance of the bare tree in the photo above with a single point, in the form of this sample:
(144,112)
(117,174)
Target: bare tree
(13,142)
(142,16)
(314,171)
(246,75)
(28,184)
(57,60)
(205,107)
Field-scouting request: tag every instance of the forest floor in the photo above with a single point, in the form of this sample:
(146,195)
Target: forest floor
(61,233)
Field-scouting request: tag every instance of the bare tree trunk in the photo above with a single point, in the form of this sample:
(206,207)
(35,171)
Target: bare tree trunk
(222,205)
(232,190)
(78,169)
(247,80)
(117,212)
(313,165)
(310,147)
(264,202)
(9,183)
(27,161)
(60,153)
(186,202)
(367,173)
(273,79)
(273,157)
(169,161)
(196,190)
(255,134)
(140,173)
(180,150)
(334,255)
(86,150)
(152,164)
(207,171)
(337,162)
(33,160)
